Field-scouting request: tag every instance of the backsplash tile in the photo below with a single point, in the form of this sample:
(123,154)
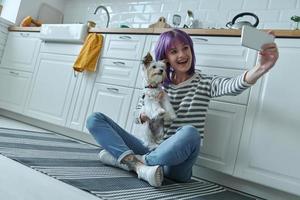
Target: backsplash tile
(256,4)
(188,5)
(279,4)
(211,13)
(230,5)
(210,4)
(153,8)
(137,8)
(169,6)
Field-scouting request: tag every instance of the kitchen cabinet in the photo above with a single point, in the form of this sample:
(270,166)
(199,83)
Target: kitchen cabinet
(16,69)
(225,117)
(14,87)
(222,133)
(117,76)
(21,51)
(54,83)
(269,148)
(111,100)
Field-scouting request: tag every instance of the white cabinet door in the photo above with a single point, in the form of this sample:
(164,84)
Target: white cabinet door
(222,135)
(19,58)
(113,101)
(270,146)
(80,101)
(131,126)
(52,89)
(21,51)
(14,87)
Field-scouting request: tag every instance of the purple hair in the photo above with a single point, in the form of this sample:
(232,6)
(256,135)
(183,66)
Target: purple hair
(165,43)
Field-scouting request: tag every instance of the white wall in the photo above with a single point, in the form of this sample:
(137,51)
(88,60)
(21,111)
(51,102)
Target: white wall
(31,7)
(3,35)
(10,9)
(212,13)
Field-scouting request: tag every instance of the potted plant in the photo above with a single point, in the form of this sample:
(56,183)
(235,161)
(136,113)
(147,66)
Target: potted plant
(296,19)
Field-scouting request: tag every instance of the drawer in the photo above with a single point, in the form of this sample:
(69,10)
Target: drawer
(21,51)
(223,52)
(25,34)
(124,46)
(14,87)
(118,72)
(241,98)
(61,48)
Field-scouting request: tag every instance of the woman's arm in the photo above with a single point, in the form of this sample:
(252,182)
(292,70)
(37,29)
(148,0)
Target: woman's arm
(267,59)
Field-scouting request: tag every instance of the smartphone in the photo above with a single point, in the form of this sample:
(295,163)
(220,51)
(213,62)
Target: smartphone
(254,38)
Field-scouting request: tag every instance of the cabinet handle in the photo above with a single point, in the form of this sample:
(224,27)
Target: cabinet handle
(125,37)
(118,63)
(24,34)
(201,39)
(14,73)
(115,90)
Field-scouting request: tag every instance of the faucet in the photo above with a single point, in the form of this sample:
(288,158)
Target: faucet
(107,13)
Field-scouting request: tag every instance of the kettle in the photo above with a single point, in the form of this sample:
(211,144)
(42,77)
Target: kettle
(238,25)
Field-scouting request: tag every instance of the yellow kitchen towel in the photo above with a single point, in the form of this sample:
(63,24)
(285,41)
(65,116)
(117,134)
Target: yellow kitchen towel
(89,53)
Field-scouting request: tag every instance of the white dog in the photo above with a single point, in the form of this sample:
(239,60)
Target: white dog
(156,103)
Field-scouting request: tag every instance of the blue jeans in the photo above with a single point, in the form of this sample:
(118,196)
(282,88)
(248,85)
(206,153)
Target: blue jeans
(177,154)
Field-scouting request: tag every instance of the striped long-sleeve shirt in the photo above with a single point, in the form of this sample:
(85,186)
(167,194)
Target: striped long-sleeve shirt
(190,99)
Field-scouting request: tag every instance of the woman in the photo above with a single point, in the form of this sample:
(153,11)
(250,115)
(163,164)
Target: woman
(190,92)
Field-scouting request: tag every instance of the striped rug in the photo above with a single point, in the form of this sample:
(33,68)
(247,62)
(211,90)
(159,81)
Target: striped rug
(77,164)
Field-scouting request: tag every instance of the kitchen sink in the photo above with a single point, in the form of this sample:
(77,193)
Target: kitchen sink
(70,33)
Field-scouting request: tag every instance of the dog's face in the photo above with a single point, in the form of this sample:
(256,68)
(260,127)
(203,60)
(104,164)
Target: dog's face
(154,71)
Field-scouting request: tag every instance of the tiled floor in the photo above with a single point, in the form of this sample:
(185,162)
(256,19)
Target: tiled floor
(10,123)
(19,182)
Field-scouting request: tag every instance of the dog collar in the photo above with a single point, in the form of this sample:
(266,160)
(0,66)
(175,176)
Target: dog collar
(150,86)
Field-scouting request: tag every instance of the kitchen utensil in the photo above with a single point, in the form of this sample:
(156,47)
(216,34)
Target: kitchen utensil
(234,24)
(196,24)
(193,23)
(49,15)
(191,17)
(176,20)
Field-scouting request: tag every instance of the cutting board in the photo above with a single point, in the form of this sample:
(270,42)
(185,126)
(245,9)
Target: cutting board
(50,15)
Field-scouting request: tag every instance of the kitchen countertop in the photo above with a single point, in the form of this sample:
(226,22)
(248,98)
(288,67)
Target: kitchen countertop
(280,33)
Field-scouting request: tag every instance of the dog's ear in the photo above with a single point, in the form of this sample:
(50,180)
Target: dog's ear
(166,62)
(147,59)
